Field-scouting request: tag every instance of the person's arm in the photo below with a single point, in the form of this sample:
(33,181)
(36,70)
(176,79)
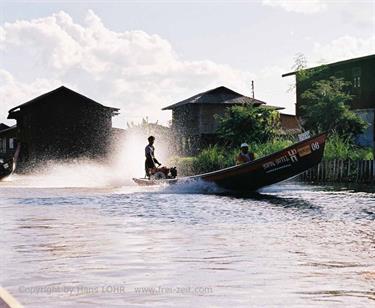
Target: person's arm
(155,160)
(238,160)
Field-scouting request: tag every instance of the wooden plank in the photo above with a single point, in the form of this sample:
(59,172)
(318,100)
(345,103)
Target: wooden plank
(342,167)
(348,174)
(318,174)
(359,171)
(7,300)
(334,170)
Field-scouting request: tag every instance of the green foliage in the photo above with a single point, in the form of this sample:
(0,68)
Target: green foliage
(147,128)
(184,164)
(212,158)
(264,149)
(325,107)
(343,148)
(254,124)
(216,157)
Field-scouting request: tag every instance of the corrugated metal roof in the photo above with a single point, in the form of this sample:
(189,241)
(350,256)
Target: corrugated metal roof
(334,64)
(8,129)
(60,90)
(3,126)
(220,95)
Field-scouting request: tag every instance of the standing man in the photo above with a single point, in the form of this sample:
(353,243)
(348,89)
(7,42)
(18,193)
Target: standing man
(151,161)
(245,156)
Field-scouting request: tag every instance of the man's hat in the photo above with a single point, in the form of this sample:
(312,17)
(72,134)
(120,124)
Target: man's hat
(244,145)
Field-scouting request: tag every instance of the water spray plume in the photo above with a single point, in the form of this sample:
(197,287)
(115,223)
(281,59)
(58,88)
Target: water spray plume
(125,162)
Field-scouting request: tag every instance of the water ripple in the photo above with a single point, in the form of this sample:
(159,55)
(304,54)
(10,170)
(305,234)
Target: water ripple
(287,245)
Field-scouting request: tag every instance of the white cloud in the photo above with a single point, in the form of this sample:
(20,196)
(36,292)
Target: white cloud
(13,92)
(342,48)
(133,70)
(298,6)
(358,13)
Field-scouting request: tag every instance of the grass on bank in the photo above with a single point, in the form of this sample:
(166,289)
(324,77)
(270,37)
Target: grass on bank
(341,148)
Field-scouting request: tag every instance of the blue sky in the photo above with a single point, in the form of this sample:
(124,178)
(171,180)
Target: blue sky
(150,54)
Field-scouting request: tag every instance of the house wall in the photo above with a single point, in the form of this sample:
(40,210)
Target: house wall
(195,126)
(208,121)
(289,124)
(185,120)
(197,119)
(63,128)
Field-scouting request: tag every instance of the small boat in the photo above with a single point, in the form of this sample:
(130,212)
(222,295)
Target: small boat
(261,172)
(7,300)
(7,166)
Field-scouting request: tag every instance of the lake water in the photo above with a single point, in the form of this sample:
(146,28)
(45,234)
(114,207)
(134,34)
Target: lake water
(289,245)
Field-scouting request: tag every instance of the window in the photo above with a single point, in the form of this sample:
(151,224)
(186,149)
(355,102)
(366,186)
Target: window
(11,143)
(357,82)
(3,145)
(356,73)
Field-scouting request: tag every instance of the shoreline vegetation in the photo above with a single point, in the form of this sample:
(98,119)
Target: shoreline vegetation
(260,128)
(326,107)
(218,157)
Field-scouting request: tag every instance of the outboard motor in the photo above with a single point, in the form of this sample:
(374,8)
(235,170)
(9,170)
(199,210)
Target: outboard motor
(164,173)
(173,172)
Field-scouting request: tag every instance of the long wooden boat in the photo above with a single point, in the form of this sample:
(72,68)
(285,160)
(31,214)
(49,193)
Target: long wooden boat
(261,172)
(7,166)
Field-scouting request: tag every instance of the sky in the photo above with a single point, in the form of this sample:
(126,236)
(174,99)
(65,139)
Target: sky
(141,56)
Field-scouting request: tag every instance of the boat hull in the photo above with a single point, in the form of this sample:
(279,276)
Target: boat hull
(6,169)
(262,172)
(8,166)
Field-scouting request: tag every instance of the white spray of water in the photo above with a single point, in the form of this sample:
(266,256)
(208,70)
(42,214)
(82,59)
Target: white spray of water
(127,162)
(192,187)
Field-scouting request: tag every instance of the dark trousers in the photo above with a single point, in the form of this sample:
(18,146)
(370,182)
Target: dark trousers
(149,164)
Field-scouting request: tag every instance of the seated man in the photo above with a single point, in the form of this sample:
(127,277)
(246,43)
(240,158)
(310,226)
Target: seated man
(151,161)
(245,156)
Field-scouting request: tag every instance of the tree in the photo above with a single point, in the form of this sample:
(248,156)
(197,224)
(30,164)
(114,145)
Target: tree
(147,128)
(248,124)
(326,107)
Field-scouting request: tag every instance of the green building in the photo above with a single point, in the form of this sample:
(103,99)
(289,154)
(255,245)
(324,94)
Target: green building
(360,72)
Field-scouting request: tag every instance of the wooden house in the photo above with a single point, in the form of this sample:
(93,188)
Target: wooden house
(194,120)
(62,124)
(8,141)
(360,72)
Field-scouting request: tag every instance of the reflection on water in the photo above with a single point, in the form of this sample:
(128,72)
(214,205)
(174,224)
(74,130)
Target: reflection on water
(287,245)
